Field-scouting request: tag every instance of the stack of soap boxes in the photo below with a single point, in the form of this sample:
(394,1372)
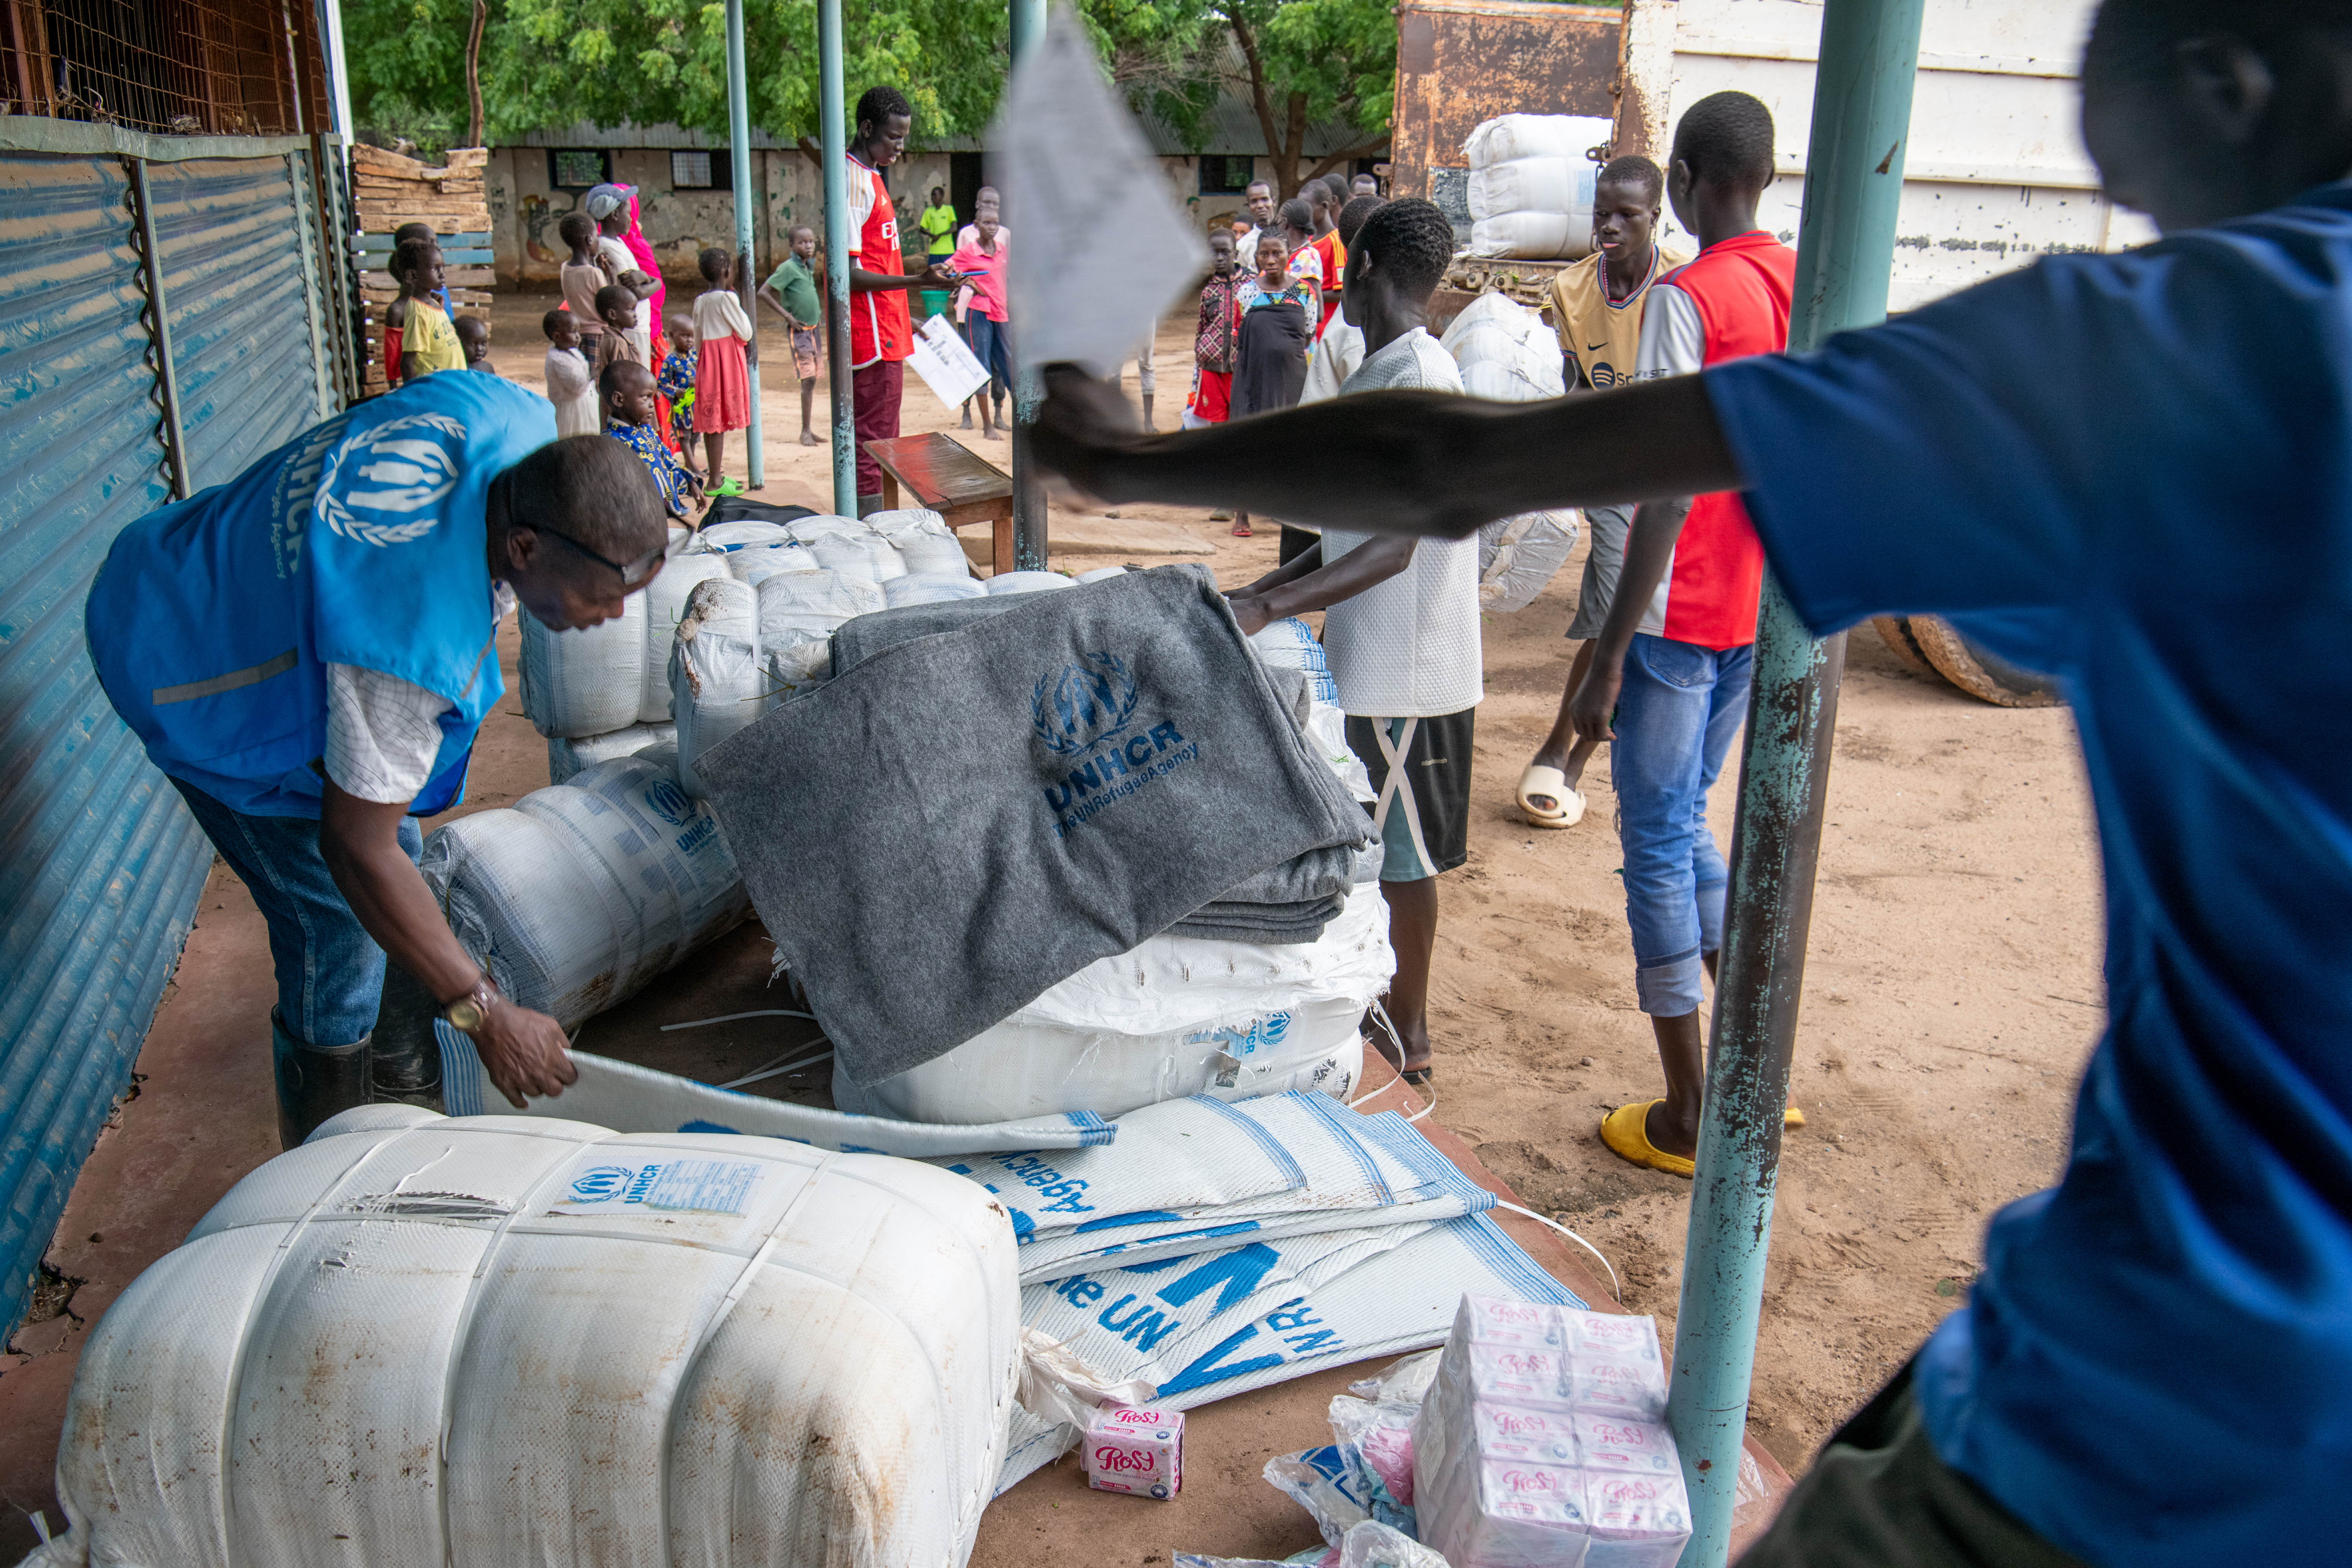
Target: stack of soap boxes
(1543,1443)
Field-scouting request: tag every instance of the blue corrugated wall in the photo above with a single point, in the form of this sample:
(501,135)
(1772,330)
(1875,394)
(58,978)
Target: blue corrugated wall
(99,863)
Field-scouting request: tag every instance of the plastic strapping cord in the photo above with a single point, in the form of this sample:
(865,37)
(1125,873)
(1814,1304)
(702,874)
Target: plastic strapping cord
(1614,1289)
(731,1018)
(774,1069)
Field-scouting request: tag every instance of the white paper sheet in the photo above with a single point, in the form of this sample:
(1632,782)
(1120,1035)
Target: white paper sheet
(946,364)
(1092,203)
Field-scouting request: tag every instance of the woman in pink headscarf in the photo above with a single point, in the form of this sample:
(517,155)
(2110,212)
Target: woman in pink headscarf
(635,240)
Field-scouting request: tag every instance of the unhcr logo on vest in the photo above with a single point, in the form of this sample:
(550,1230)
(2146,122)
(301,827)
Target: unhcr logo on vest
(387,486)
(1085,720)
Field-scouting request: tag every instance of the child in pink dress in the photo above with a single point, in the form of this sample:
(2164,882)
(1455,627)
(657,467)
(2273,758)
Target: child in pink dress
(723,380)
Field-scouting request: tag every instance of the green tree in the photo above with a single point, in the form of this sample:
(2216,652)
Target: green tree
(1309,61)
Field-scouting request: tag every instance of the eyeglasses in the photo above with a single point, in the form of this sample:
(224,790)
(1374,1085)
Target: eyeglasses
(637,572)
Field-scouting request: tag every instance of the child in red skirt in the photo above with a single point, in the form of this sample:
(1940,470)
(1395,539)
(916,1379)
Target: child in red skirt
(722,381)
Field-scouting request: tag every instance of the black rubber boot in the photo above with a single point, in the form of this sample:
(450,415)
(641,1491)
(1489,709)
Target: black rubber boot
(407,1057)
(314,1083)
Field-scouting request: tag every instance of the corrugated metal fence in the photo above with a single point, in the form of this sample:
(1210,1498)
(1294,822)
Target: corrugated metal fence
(109,406)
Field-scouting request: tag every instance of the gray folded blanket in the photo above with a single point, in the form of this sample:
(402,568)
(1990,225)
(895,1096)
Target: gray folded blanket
(1283,905)
(955,823)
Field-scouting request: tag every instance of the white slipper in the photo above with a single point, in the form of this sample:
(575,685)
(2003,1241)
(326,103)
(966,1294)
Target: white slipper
(1553,782)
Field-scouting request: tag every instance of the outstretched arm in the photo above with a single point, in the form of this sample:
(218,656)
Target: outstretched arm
(1398,462)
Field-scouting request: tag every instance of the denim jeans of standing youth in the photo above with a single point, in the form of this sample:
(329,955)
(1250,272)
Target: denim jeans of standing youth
(329,971)
(1678,711)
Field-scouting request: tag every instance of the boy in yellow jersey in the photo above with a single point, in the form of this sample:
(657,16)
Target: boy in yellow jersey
(1596,308)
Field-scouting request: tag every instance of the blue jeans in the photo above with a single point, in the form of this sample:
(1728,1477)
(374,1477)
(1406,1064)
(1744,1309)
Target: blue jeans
(329,971)
(992,348)
(1678,711)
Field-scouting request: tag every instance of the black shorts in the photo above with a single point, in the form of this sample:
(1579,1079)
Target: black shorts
(1424,823)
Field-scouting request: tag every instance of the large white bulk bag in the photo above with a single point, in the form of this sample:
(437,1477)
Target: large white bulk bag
(1027,581)
(751,564)
(1509,137)
(1532,237)
(567,757)
(723,537)
(1533,186)
(498,1342)
(715,685)
(825,525)
(1175,1016)
(583,892)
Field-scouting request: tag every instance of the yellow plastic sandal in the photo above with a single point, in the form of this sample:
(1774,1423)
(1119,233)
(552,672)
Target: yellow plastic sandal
(1622,1131)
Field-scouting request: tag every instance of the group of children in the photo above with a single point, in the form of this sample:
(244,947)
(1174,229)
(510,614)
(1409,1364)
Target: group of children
(419,334)
(1261,328)
(615,362)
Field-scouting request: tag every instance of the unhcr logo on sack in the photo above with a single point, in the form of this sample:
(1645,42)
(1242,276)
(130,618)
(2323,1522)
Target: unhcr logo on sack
(1085,720)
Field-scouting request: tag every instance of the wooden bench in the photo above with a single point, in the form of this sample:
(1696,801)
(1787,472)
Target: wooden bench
(951,480)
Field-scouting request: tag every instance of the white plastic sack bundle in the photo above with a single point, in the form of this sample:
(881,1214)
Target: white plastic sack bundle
(825,525)
(902,525)
(632,1099)
(931,588)
(1291,644)
(1505,351)
(1535,186)
(1510,137)
(565,758)
(1026,581)
(717,686)
(605,677)
(936,555)
(752,563)
(1175,1016)
(584,891)
(1532,237)
(1518,556)
(797,619)
(505,1340)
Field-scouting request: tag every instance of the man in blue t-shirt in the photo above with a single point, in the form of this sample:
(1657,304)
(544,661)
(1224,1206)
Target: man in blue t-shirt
(2155,1368)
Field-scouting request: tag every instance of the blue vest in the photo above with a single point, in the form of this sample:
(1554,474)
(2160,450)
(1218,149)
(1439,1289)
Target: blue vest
(361,541)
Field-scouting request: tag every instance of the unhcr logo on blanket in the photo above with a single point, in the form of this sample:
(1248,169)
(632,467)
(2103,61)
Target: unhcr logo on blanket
(1085,722)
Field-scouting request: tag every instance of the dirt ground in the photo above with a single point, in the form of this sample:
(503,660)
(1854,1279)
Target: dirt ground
(1952,984)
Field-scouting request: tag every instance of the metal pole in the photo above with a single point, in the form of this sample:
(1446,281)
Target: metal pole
(833,133)
(159,315)
(738,131)
(1845,248)
(1029,509)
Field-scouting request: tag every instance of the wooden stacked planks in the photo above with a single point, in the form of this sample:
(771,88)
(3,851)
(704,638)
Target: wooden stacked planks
(390,190)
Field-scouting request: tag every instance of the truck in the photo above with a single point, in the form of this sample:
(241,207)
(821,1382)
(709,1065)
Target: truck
(1995,172)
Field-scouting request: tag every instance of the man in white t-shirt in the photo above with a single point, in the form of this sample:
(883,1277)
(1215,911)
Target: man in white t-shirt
(1401,626)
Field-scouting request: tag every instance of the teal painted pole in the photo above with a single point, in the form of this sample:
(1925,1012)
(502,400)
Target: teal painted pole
(1846,250)
(1029,506)
(747,201)
(833,134)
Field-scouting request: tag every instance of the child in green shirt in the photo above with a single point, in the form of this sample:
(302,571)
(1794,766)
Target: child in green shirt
(937,222)
(792,289)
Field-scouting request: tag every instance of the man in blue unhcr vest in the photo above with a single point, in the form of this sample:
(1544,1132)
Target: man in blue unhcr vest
(308,651)
(2134,471)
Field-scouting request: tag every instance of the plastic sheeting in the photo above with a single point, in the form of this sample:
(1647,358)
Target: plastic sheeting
(515,1341)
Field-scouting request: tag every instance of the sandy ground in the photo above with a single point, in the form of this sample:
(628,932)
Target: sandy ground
(1952,992)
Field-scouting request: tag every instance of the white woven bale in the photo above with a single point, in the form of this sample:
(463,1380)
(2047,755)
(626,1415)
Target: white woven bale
(1505,351)
(588,681)
(659,1348)
(665,598)
(1509,137)
(1535,186)
(567,757)
(931,588)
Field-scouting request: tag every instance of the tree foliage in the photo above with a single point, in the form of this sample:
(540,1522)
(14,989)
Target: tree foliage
(547,64)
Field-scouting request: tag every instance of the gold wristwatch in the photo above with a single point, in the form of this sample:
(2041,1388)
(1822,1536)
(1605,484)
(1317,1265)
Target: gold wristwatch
(468,1012)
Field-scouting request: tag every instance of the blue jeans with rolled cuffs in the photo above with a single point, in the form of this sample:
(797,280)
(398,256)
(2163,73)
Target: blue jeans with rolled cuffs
(1678,712)
(329,971)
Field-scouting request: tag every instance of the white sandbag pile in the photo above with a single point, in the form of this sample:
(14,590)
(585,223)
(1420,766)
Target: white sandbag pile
(1531,179)
(743,649)
(1506,353)
(567,757)
(416,1341)
(578,894)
